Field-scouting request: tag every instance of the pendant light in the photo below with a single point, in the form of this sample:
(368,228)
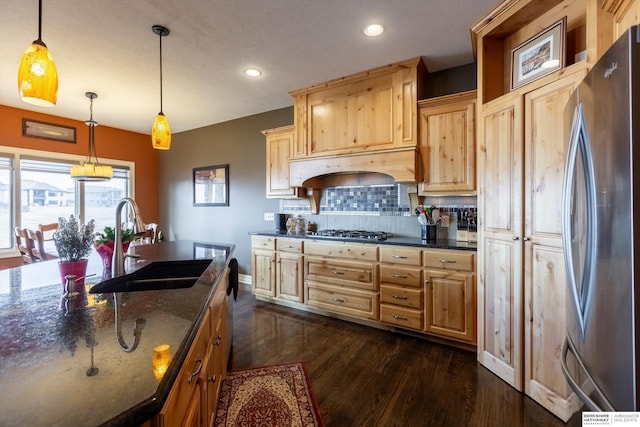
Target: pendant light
(37,74)
(91,169)
(161,132)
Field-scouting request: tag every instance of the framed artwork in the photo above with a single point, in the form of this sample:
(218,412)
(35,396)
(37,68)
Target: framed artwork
(36,129)
(211,186)
(542,54)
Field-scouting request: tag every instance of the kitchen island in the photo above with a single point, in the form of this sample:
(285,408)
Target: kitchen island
(61,360)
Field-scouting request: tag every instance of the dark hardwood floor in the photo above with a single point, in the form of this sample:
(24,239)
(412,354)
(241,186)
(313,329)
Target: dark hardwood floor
(363,376)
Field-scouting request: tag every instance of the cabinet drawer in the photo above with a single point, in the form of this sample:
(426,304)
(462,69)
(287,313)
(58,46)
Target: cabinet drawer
(396,255)
(401,276)
(343,273)
(355,251)
(289,245)
(450,260)
(406,297)
(353,302)
(263,242)
(400,316)
(185,388)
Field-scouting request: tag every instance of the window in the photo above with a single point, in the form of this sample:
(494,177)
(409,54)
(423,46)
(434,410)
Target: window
(39,183)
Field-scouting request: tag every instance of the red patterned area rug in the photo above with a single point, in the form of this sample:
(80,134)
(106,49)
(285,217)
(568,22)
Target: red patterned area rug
(273,396)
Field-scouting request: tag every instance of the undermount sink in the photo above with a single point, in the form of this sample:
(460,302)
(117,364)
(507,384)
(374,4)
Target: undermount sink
(156,276)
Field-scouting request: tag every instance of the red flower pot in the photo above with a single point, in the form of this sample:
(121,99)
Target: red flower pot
(105,250)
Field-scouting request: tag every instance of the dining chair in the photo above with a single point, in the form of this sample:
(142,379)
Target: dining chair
(23,244)
(150,233)
(47,230)
(38,252)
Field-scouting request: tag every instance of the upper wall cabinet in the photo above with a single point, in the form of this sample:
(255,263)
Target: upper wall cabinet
(371,110)
(447,144)
(279,146)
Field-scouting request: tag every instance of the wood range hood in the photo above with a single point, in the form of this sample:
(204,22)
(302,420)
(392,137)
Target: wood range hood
(400,165)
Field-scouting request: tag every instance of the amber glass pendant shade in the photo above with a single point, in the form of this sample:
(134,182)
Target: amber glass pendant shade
(161,133)
(38,76)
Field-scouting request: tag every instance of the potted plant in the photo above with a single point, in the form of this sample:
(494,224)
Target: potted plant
(105,240)
(73,243)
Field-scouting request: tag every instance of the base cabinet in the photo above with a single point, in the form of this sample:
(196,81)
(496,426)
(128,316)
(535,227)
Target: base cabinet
(263,265)
(193,397)
(428,291)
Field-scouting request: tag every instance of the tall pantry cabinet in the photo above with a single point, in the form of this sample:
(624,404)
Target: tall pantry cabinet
(521,154)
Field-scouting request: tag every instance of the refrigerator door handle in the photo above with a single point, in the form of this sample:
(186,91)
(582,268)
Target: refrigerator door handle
(567,347)
(579,157)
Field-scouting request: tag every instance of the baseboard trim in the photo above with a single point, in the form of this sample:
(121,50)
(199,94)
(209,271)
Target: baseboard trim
(244,278)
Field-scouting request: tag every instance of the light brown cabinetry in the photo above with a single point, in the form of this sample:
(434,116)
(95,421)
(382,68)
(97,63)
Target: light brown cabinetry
(279,144)
(263,265)
(450,291)
(371,110)
(401,290)
(342,278)
(193,397)
(521,155)
(289,270)
(448,143)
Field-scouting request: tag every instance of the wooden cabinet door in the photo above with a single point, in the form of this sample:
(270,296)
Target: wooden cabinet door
(448,143)
(450,307)
(279,146)
(544,268)
(289,277)
(263,273)
(500,157)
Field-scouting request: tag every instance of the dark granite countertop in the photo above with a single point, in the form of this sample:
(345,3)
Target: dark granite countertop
(48,344)
(394,240)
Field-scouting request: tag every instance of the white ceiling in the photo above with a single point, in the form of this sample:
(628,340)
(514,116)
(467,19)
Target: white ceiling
(108,47)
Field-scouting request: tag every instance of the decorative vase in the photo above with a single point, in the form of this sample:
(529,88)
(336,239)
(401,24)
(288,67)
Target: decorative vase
(105,250)
(77,268)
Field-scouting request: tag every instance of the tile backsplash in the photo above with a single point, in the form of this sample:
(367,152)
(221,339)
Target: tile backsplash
(383,207)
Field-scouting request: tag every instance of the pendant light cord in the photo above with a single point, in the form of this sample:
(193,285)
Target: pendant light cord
(160,72)
(40,20)
(92,124)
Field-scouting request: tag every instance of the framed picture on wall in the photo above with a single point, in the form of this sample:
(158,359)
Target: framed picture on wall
(211,186)
(540,55)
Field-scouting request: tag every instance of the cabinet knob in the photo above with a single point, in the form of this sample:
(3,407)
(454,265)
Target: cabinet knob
(526,239)
(212,379)
(515,238)
(426,282)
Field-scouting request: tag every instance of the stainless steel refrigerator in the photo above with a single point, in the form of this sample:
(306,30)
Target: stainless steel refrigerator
(601,201)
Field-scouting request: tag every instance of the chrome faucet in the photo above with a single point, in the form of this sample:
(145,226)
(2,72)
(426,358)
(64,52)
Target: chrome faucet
(117,265)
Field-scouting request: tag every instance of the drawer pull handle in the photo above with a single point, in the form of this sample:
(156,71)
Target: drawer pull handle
(211,379)
(400,276)
(337,272)
(197,371)
(395,316)
(399,296)
(447,261)
(400,257)
(289,247)
(340,300)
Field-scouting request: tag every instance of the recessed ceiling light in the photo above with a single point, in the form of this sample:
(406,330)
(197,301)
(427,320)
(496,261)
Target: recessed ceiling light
(252,72)
(373,30)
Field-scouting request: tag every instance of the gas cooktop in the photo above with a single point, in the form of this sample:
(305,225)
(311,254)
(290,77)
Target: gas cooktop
(353,234)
